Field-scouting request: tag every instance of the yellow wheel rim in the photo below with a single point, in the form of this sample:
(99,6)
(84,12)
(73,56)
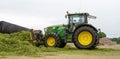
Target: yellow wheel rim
(85,38)
(51,41)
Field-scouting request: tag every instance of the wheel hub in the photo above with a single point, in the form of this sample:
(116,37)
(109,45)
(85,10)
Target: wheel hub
(85,38)
(51,41)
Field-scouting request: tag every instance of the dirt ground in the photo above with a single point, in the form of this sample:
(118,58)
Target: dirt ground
(66,56)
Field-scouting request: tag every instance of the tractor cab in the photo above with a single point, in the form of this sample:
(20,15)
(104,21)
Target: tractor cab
(76,19)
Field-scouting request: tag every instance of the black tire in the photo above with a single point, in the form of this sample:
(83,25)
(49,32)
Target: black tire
(58,43)
(94,41)
(53,35)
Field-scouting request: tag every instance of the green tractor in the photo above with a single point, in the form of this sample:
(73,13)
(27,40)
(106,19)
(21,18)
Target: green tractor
(78,31)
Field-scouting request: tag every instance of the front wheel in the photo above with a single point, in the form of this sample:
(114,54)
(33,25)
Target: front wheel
(53,40)
(85,38)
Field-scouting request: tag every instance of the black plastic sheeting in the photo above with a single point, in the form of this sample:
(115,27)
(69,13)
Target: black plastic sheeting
(6,27)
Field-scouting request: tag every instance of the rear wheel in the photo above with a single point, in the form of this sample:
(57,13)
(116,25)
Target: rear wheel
(85,37)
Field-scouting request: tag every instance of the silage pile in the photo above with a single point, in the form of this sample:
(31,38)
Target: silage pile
(16,43)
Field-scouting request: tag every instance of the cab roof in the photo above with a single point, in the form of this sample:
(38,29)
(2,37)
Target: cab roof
(69,14)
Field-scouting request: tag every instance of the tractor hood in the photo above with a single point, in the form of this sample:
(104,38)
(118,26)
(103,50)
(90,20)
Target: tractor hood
(54,28)
(60,25)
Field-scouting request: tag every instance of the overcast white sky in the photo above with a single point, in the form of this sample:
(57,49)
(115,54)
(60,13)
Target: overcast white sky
(38,14)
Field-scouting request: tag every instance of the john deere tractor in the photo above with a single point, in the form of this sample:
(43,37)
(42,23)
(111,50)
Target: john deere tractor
(78,31)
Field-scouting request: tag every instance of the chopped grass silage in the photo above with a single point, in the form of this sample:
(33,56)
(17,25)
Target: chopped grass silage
(18,44)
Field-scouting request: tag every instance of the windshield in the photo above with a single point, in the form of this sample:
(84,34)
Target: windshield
(77,19)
